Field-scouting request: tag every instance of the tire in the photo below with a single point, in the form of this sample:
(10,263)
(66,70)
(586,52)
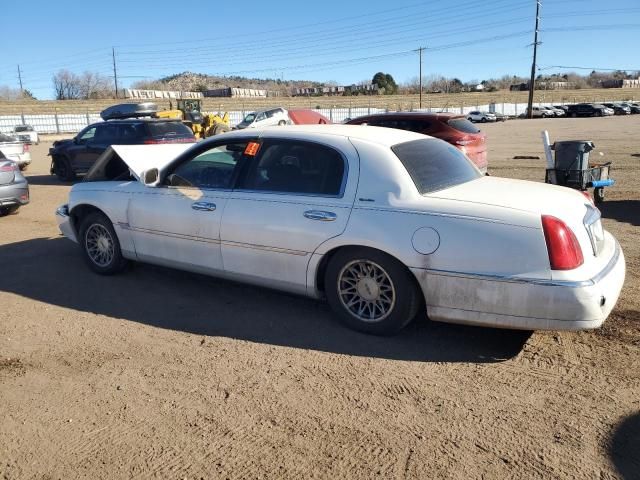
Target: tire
(4,211)
(598,113)
(63,170)
(281,123)
(100,245)
(598,195)
(389,308)
(483,120)
(23,167)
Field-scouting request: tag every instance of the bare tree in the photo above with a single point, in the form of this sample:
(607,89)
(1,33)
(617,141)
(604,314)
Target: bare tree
(66,85)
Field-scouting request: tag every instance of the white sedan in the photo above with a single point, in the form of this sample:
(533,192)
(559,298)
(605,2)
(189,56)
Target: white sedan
(385,224)
(478,116)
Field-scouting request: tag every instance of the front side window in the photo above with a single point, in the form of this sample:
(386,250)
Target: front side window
(434,164)
(296,167)
(213,168)
(88,134)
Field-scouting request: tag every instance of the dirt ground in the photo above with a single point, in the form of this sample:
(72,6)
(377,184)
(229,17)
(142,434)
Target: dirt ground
(162,374)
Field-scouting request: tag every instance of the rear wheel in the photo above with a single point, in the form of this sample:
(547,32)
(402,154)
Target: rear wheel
(371,291)
(4,211)
(483,120)
(281,123)
(100,245)
(63,170)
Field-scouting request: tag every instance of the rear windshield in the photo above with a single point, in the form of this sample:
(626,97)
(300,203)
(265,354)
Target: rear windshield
(168,129)
(6,138)
(434,164)
(23,128)
(463,125)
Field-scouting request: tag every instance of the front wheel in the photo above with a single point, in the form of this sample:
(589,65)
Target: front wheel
(371,291)
(100,245)
(4,211)
(281,123)
(598,195)
(63,170)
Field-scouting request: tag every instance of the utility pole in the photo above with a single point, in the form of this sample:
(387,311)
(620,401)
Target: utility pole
(420,50)
(115,72)
(533,65)
(20,80)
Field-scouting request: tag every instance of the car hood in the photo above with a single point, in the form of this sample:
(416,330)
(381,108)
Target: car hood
(533,197)
(140,157)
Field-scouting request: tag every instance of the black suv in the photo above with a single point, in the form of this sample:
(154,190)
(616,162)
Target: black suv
(587,110)
(77,155)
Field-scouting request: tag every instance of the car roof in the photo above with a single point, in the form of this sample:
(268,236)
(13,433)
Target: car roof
(137,120)
(382,136)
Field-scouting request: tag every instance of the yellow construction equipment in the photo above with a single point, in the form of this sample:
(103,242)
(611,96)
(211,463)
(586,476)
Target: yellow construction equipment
(189,111)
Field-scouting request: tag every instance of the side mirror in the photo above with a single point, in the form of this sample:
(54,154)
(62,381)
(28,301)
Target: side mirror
(150,177)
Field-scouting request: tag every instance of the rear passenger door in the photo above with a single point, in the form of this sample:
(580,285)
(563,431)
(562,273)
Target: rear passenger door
(292,197)
(105,135)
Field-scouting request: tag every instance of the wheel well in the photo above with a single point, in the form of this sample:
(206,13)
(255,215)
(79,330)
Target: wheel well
(322,266)
(81,211)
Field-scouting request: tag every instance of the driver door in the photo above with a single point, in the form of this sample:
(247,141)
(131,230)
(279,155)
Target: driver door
(178,223)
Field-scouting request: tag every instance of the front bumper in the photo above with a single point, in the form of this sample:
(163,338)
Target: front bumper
(64,223)
(525,304)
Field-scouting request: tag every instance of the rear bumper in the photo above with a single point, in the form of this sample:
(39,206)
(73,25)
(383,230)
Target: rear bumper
(526,304)
(64,223)
(14,194)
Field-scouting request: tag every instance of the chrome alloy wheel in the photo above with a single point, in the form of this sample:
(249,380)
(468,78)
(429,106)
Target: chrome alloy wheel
(366,290)
(99,245)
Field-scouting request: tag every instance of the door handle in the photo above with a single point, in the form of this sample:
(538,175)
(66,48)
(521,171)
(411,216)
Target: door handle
(320,215)
(204,206)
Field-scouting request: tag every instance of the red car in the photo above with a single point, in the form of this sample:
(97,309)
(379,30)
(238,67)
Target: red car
(455,129)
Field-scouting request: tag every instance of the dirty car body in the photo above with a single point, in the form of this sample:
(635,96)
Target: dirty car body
(384,223)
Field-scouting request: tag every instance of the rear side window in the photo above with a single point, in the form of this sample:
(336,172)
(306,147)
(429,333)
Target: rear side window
(296,167)
(463,125)
(434,164)
(168,129)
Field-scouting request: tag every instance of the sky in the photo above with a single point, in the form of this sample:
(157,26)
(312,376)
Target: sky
(330,40)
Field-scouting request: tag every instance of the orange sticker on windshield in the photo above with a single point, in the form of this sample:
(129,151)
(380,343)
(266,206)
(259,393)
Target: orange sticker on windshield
(252,149)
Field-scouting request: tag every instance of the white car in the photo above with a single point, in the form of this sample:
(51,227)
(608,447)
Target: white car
(265,118)
(15,150)
(478,116)
(26,132)
(386,224)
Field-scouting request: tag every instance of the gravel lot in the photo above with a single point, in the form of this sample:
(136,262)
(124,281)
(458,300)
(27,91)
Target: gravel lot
(163,374)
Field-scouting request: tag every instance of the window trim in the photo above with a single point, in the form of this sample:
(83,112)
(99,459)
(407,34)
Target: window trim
(343,184)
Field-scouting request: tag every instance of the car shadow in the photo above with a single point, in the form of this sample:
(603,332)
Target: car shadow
(627,211)
(53,271)
(48,180)
(624,448)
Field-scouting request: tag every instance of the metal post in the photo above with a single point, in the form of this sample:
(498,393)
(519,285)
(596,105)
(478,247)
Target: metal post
(115,72)
(57,121)
(533,64)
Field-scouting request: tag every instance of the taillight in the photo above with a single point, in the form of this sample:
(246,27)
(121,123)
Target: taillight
(8,167)
(25,147)
(563,247)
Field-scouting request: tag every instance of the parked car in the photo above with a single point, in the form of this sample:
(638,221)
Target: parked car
(14,189)
(588,110)
(385,224)
(539,112)
(15,150)
(564,108)
(26,133)
(76,156)
(478,116)
(618,108)
(633,107)
(558,112)
(455,129)
(500,117)
(265,118)
(306,116)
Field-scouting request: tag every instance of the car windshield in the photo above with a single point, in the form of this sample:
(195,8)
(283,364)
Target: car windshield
(463,125)
(249,118)
(434,164)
